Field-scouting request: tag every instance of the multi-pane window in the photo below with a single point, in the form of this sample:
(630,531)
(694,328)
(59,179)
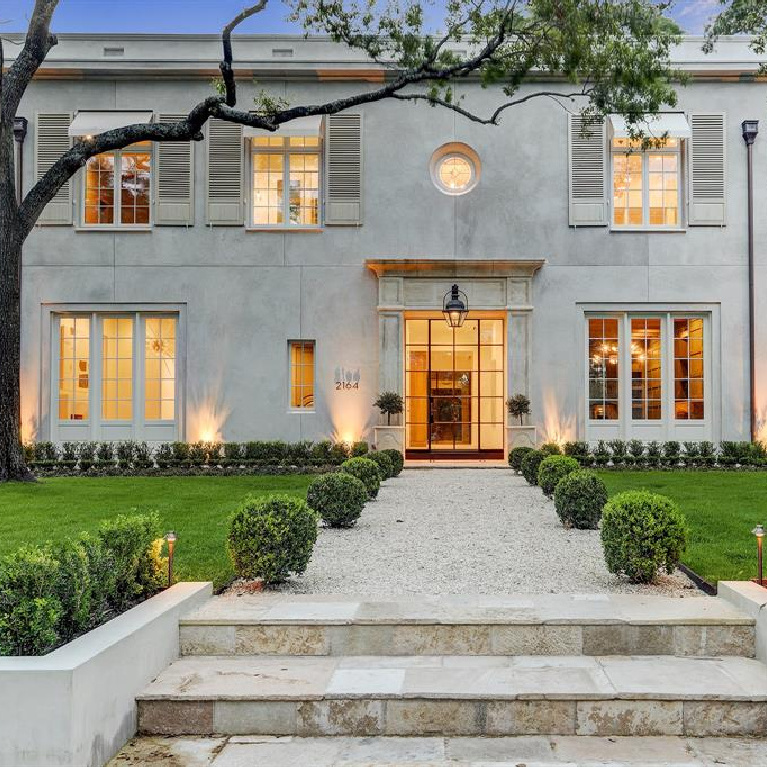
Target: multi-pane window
(159,369)
(301,375)
(646,188)
(646,366)
(107,375)
(117,369)
(688,369)
(603,369)
(117,188)
(74,368)
(665,354)
(286,181)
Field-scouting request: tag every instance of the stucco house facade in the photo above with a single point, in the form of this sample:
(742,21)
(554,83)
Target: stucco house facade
(269,286)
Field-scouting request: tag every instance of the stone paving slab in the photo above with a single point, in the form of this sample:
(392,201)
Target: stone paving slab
(530,751)
(275,608)
(274,678)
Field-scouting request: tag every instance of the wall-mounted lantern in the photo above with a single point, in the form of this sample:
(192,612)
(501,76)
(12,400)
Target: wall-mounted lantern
(455,308)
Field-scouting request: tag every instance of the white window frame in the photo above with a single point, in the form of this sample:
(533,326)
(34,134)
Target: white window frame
(286,150)
(117,223)
(668,375)
(96,428)
(291,408)
(679,151)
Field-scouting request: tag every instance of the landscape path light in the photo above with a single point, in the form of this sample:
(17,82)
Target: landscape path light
(758,531)
(171,537)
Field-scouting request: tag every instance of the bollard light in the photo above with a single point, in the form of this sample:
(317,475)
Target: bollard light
(758,531)
(171,537)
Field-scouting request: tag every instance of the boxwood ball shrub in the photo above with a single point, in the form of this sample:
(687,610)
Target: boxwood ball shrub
(530,464)
(641,533)
(554,468)
(386,467)
(397,459)
(338,498)
(580,498)
(366,471)
(517,455)
(272,537)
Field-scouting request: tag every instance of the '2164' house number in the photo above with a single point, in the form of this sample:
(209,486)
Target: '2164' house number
(347,379)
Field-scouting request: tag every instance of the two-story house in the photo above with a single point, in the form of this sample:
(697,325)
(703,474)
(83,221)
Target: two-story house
(268,286)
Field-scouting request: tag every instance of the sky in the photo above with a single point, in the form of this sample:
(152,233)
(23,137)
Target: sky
(195,16)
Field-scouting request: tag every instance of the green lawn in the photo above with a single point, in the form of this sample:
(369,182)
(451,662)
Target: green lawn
(721,509)
(197,508)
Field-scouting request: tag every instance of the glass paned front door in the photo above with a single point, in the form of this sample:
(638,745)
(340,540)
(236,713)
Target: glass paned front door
(454,387)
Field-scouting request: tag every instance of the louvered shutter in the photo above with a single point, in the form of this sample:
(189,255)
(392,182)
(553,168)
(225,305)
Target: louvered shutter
(51,141)
(343,170)
(174,186)
(707,164)
(225,158)
(587,172)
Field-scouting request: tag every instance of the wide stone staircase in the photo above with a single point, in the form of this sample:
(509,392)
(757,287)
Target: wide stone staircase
(602,665)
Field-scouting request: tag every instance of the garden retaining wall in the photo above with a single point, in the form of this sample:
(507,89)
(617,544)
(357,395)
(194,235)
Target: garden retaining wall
(76,706)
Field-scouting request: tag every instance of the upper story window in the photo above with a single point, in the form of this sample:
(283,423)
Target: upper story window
(117,188)
(455,168)
(646,183)
(286,181)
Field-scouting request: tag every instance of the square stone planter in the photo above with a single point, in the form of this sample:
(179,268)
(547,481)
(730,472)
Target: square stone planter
(390,438)
(521,436)
(76,706)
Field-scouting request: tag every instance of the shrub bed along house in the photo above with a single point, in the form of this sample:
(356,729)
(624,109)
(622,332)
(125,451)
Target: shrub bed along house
(51,594)
(579,499)
(641,533)
(338,498)
(553,469)
(272,538)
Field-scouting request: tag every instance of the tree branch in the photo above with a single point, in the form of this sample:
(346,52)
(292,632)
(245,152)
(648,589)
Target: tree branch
(226,65)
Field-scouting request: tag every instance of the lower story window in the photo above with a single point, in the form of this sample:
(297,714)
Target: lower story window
(301,375)
(647,367)
(116,369)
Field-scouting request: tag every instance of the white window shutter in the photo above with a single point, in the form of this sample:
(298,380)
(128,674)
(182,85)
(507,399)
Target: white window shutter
(587,172)
(225,159)
(51,141)
(174,179)
(343,170)
(707,170)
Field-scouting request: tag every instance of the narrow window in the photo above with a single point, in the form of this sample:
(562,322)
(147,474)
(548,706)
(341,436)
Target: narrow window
(688,369)
(301,375)
(286,181)
(646,188)
(74,368)
(159,369)
(646,369)
(118,187)
(603,369)
(117,369)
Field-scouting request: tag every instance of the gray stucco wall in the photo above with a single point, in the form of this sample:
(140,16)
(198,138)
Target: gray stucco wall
(247,293)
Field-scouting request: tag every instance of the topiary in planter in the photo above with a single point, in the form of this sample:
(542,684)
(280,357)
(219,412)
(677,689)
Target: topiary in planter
(338,498)
(580,498)
(641,533)
(385,466)
(270,538)
(530,464)
(517,455)
(554,468)
(366,471)
(397,459)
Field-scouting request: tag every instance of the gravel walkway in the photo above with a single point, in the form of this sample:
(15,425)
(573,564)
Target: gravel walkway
(463,531)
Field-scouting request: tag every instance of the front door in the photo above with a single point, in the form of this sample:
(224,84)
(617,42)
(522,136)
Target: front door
(454,387)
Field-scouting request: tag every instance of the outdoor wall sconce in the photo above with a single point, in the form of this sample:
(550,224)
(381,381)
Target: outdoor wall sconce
(171,537)
(455,309)
(758,531)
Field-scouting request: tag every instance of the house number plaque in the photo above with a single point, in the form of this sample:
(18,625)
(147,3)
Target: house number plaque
(347,379)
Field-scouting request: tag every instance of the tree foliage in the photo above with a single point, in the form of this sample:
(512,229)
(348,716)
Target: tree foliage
(740,17)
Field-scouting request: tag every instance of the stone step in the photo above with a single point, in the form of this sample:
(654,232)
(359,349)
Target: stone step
(457,695)
(540,624)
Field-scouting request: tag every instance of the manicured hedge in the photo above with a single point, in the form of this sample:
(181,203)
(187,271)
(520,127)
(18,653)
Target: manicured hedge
(338,498)
(553,469)
(51,594)
(579,499)
(366,471)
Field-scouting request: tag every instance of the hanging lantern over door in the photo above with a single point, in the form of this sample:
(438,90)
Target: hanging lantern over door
(455,307)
